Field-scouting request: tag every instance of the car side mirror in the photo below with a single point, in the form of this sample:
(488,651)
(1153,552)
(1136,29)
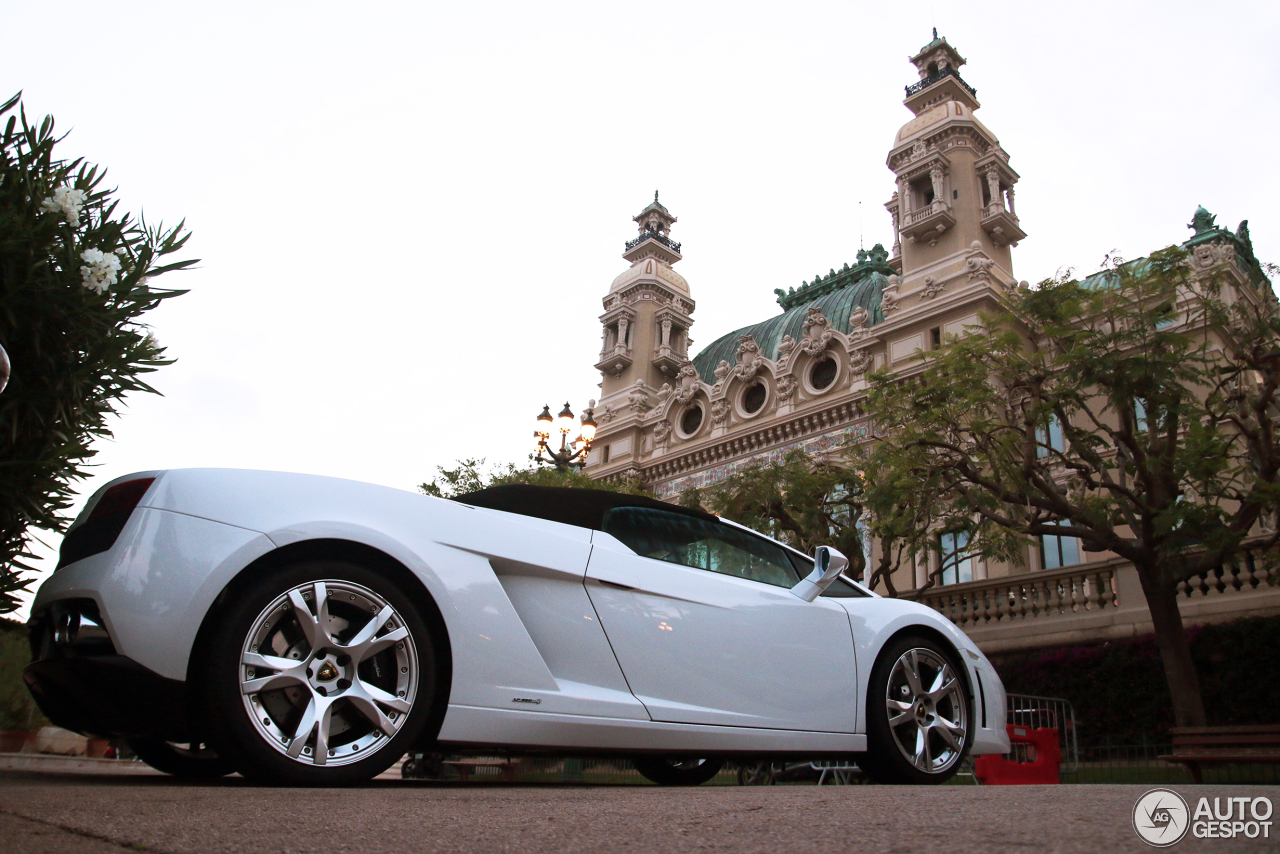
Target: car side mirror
(828,563)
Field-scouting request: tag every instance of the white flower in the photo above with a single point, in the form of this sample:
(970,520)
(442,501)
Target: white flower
(66,201)
(100,269)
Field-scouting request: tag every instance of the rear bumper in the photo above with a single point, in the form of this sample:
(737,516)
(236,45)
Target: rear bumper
(110,696)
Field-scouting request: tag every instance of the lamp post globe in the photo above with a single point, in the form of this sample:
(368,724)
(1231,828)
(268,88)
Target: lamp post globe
(572,454)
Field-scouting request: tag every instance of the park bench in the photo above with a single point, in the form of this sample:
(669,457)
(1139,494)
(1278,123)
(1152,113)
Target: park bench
(1197,746)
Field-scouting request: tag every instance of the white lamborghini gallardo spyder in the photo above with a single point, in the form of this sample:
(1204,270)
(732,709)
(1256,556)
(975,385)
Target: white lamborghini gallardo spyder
(308,630)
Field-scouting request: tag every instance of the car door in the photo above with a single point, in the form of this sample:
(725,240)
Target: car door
(701,618)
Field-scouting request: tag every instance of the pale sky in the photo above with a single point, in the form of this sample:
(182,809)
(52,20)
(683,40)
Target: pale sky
(408,214)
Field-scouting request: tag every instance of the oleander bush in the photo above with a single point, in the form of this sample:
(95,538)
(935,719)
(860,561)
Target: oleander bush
(76,275)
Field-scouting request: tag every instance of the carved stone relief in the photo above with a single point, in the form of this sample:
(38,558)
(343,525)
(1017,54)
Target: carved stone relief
(889,299)
(932,287)
(661,431)
(860,362)
(638,398)
(786,387)
(785,347)
(817,331)
(750,362)
(686,383)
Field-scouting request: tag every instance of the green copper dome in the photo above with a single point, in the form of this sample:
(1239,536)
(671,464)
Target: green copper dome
(865,291)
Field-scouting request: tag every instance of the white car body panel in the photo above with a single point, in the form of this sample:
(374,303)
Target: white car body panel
(522,600)
(678,634)
(476,726)
(158,582)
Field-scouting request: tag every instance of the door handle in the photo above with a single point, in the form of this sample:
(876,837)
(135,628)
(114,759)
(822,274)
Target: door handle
(616,579)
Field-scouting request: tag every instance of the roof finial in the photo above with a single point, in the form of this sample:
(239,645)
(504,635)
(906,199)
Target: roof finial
(655,197)
(935,33)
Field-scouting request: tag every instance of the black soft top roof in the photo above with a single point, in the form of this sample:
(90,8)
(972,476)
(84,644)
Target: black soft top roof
(582,507)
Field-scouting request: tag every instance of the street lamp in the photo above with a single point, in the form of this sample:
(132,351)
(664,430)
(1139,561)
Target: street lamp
(572,454)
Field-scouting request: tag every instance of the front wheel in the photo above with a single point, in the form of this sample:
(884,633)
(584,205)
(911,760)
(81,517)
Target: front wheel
(918,714)
(678,772)
(322,673)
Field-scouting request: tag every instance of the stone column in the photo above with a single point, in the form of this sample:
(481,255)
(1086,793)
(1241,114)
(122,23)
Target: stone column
(939,190)
(666,333)
(622,331)
(897,237)
(1011,209)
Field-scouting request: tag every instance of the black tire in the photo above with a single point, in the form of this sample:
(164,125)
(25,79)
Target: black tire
(941,711)
(756,774)
(678,772)
(190,761)
(359,696)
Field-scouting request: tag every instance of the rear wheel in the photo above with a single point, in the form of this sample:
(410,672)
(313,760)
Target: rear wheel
(918,714)
(322,673)
(678,772)
(196,761)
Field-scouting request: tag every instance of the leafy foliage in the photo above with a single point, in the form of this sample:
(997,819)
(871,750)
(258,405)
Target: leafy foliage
(1116,687)
(18,710)
(471,475)
(74,279)
(801,501)
(1163,387)
(1164,396)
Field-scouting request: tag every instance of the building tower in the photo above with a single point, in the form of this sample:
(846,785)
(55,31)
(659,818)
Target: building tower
(645,335)
(954,203)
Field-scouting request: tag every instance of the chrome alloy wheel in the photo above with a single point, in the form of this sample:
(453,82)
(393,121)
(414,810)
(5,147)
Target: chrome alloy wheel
(926,709)
(328,672)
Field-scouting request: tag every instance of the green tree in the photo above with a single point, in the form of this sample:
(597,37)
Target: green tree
(471,475)
(75,276)
(1135,411)
(802,501)
(807,502)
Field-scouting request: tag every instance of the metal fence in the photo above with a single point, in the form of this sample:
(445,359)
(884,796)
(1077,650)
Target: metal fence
(1047,713)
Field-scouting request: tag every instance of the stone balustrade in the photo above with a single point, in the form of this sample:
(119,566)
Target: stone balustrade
(1093,601)
(937,206)
(1028,595)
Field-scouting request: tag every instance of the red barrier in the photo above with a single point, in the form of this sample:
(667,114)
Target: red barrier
(1034,759)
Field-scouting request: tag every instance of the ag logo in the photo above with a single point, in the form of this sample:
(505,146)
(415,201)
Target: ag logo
(1161,817)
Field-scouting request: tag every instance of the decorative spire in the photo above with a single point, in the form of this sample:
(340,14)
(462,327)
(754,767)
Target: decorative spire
(935,33)
(655,197)
(1202,221)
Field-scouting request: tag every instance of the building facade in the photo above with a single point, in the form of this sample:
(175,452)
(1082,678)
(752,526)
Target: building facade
(798,380)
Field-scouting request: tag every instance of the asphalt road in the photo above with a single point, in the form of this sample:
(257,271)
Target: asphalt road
(86,813)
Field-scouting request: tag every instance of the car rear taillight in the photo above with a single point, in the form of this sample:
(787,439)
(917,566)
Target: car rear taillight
(106,519)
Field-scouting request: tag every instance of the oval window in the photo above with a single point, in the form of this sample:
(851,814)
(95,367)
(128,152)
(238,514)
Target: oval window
(691,420)
(823,374)
(753,398)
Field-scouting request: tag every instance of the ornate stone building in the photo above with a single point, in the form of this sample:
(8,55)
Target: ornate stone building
(798,380)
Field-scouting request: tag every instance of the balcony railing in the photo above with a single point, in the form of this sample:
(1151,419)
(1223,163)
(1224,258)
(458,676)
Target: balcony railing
(932,208)
(653,235)
(1087,589)
(934,78)
(1027,595)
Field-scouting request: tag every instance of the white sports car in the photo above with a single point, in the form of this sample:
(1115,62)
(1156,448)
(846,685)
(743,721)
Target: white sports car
(309,630)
